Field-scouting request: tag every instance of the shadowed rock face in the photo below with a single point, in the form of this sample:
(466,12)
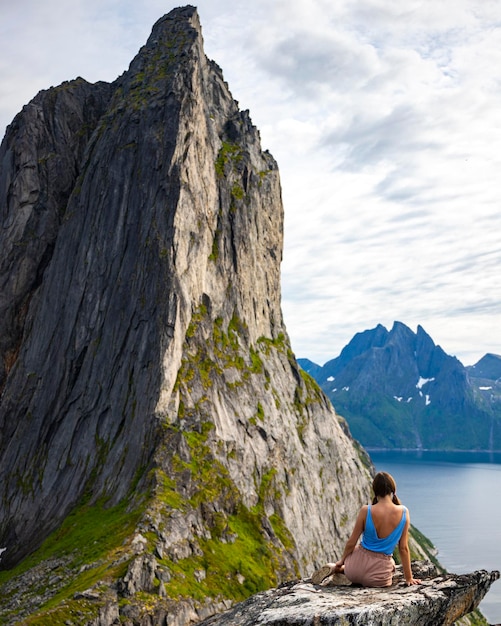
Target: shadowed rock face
(143,339)
(40,156)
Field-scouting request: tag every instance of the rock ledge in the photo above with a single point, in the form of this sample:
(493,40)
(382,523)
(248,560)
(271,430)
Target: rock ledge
(439,600)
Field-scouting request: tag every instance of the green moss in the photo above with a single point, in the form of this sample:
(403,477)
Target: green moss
(214,254)
(282,532)
(238,559)
(229,153)
(73,611)
(211,480)
(262,174)
(265,488)
(235,568)
(314,393)
(237,192)
(298,400)
(267,343)
(167,492)
(256,362)
(260,412)
(88,543)
(475,618)
(198,315)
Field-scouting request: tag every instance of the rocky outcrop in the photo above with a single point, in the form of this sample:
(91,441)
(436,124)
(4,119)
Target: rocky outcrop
(397,389)
(160,449)
(438,601)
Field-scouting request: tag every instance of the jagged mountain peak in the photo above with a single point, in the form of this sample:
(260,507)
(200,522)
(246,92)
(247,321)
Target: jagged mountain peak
(153,229)
(399,389)
(381,346)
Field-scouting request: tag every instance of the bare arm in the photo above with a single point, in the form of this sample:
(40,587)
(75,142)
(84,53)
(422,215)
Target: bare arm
(358,529)
(405,557)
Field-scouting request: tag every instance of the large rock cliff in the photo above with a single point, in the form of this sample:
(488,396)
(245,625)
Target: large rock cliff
(160,449)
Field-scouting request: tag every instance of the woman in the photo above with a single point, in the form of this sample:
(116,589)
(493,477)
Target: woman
(383,525)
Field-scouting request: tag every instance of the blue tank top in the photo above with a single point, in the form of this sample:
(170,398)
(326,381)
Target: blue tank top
(370,540)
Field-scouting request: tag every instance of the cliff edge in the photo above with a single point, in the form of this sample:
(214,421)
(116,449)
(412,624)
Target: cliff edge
(437,601)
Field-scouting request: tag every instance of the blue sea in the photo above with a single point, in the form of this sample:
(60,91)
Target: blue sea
(454,498)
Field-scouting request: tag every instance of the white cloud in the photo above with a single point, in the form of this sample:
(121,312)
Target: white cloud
(385,123)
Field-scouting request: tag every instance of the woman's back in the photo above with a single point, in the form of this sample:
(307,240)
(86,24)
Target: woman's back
(386,516)
(382,526)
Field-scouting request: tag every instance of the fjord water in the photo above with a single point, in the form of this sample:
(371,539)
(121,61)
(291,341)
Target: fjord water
(454,499)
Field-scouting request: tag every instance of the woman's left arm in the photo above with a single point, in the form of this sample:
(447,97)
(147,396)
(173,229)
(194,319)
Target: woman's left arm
(405,557)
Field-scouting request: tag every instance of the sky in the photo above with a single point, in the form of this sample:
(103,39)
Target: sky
(385,120)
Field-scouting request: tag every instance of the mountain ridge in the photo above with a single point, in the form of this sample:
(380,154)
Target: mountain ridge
(397,389)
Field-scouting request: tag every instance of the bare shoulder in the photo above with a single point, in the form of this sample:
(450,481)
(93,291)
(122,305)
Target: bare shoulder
(362,514)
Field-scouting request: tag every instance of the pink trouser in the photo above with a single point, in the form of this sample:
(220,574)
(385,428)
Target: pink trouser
(370,569)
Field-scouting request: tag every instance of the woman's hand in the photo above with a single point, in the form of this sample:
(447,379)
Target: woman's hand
(413,581)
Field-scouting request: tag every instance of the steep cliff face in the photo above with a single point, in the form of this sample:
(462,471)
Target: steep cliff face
(153,417)
(40,157)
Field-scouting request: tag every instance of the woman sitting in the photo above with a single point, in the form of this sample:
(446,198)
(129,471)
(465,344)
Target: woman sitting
(383,525)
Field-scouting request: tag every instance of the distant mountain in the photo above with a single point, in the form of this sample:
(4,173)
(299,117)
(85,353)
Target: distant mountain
(397,389)
(489,367)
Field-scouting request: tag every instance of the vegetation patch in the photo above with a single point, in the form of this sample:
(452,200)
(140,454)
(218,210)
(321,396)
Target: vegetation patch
(234,568)
(229,153)
(267,343)
(426,545)
(314,393)
(87,548)
(237,560)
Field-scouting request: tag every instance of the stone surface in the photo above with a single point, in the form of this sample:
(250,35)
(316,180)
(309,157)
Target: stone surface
(438,601)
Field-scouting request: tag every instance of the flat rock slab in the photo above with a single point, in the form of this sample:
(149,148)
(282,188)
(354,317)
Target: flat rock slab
(439,600)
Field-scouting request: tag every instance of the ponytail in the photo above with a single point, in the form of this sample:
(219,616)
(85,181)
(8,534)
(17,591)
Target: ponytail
(384,485)
(394,499)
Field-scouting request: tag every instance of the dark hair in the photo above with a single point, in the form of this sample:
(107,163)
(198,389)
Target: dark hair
(383,485)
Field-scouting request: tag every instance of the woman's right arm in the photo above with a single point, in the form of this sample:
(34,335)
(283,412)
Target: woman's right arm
(358,529)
